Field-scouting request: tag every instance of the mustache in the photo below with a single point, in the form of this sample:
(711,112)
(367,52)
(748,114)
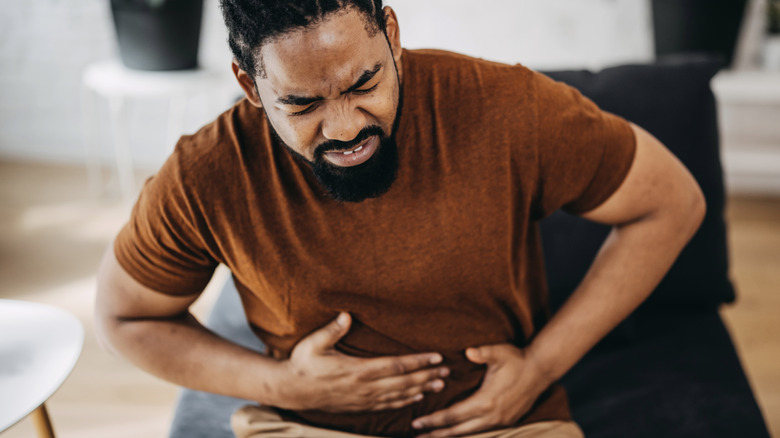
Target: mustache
(337,145)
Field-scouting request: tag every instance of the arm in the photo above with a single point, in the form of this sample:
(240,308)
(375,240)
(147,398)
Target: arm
(655,212)
(157,333)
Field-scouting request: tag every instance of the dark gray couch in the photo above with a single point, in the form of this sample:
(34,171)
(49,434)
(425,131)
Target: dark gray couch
(670,370)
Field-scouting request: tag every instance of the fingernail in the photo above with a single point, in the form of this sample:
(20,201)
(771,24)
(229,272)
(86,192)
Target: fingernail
(437,385)
(436,358)
(342,319)
(417,425)
(444,372)
(418,397)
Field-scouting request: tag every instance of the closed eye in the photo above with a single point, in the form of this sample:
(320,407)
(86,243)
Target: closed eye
(306,110)
(367,90)
(311,107)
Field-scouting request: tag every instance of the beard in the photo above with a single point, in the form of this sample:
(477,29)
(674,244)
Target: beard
(370,179)
(358,183)
(355,183)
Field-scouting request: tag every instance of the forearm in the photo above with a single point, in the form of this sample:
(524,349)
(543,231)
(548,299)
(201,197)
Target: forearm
(630,264)
(156,332)
(182,351)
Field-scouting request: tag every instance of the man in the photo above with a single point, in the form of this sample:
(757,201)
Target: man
(378,209)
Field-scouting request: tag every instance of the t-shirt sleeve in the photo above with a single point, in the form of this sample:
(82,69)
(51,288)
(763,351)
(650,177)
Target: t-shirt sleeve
(584,153)
(162,246)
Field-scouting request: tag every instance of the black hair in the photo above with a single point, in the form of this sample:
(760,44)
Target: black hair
(251,23)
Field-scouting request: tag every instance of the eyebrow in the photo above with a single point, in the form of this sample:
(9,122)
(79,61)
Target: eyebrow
(291,99)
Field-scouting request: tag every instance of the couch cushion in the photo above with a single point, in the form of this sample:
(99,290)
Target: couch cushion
(672,100)
(680,378)
(201,414)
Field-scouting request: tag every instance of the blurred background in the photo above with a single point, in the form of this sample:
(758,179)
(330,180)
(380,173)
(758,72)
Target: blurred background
(79,133)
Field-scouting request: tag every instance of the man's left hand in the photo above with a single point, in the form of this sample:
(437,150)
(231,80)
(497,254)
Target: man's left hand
(511,385)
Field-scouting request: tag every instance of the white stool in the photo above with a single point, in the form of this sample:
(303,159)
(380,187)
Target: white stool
(118,84)
(39,347)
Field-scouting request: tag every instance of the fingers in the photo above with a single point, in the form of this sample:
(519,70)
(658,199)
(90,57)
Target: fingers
(397,404)
(399,365)
(399,391)
(326,337)
(378,398)
(402,387)
(404,390)
(475,355)
(353,383)
(401,380)
(507,392)
(485,354)
(454,416)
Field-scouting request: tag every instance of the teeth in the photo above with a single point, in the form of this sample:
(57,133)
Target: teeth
(353,151)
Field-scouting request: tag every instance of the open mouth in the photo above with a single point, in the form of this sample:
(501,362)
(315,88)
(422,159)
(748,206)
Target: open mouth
(357,149)
(355,156)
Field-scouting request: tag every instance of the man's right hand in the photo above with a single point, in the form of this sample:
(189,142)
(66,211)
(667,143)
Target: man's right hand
(156,332)
(318,377)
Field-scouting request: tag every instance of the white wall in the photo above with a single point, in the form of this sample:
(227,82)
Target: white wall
(538,33)
(46,44)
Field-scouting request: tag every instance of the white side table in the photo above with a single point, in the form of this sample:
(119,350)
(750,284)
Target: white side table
(112,81)
(749,119)
(39,346)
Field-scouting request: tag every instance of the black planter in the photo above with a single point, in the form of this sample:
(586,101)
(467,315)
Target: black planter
(773,13)
(158,35)
(687,26)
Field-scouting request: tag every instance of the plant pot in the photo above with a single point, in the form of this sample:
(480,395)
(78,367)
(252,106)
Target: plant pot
(710,26)
(158,34)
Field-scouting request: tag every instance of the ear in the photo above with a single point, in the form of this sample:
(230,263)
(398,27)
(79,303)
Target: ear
(393,35)
(247,84)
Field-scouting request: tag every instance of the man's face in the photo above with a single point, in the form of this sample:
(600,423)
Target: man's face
(331,94)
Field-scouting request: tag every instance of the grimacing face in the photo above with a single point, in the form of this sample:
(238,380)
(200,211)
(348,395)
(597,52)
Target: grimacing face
(331,92)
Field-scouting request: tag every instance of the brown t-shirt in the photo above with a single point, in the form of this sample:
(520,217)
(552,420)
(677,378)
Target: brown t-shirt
(448,258)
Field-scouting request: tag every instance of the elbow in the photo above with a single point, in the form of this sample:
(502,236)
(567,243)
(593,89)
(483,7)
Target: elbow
(107,321)
(693,210)
(701,211)
(105,329)
(682,211)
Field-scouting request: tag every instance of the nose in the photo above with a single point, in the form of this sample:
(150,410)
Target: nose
(343,122)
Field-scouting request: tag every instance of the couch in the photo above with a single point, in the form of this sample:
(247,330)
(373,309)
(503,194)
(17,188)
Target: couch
(670,369)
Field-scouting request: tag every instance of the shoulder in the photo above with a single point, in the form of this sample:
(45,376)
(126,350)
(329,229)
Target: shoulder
(447,79)
(217,150)
(483,92)
(209,166)
(443,60)
(467,73)
(221,139)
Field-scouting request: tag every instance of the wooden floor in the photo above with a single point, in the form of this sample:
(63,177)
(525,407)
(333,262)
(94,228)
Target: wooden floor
(754,320)
(52,234)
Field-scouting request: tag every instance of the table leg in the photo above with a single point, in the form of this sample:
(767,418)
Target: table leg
(42,423)
(176,113)
(124,161)
(91,129)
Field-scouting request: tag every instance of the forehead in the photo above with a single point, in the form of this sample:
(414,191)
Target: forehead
(323,58)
